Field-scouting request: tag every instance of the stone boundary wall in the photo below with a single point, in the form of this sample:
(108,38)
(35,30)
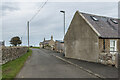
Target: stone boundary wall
(108,59)
(0,55)
(11,53)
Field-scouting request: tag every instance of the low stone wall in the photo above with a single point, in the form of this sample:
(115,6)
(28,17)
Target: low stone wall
(108,59)
(0,55)
(11,53)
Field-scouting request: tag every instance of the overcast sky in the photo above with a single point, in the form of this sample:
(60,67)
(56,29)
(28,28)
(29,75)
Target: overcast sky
(49,21)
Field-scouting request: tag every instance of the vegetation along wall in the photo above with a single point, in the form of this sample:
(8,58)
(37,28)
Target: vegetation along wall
(11,53)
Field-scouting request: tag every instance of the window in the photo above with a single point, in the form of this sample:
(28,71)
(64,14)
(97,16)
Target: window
(94,18)
(113,45)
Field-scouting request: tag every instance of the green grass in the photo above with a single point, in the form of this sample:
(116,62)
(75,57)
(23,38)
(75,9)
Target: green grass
(12,68)
(36,47)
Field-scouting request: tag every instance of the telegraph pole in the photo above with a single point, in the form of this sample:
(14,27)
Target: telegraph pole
(28,33)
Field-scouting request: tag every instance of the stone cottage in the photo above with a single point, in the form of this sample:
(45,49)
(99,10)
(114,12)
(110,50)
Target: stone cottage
(2,43)
(49,44)
(92,38)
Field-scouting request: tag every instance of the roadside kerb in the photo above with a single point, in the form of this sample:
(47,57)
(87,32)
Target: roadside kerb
(92,73)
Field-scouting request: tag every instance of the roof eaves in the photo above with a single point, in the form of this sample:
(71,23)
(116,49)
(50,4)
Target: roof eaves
(109,37)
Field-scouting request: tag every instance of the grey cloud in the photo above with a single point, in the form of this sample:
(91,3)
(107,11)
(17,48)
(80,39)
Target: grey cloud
(9,6)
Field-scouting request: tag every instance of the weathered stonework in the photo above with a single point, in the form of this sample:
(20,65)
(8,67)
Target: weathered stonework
(0,63)
(105,57)
(11,53)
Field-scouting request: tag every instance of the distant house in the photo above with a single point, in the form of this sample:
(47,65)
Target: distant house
(41,44)
(92,38)
(2,43)
(59,46)
(49,44)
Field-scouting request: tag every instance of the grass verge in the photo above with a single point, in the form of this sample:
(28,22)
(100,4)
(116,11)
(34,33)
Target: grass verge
(12,68)
(35,47)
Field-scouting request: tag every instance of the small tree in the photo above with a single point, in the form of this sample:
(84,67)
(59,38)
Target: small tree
(15,41)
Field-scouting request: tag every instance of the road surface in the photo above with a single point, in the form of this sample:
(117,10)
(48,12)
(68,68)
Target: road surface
(43,65)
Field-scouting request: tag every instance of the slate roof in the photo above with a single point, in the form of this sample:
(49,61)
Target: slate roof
(41,43)
(46,41)
(107,27)
(61,41)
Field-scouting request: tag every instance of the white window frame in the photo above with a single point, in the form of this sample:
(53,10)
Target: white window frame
(113,46)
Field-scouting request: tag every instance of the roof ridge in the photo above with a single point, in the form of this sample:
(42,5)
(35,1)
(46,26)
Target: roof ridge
(92,14)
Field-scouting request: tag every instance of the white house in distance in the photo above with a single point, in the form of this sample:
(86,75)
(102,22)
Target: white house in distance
(59,46)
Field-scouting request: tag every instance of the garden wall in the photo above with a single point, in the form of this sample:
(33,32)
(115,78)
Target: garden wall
(108,59)
(11,53)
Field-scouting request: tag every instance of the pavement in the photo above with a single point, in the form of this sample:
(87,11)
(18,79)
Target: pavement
(97,69)
(42,64)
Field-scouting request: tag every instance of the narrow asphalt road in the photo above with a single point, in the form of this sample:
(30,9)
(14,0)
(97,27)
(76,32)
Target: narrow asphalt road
(43,65)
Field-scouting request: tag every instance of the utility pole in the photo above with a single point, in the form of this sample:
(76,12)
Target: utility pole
(28,33)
